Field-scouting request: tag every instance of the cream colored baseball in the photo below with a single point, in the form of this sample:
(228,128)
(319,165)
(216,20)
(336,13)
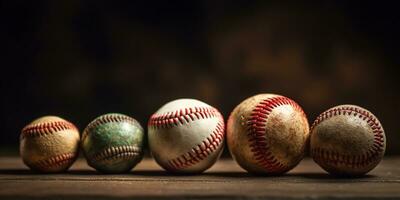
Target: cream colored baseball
(347,140)
(49,144)
(267,134)
(186,136)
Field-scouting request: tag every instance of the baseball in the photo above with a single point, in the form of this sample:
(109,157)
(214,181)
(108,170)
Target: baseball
(186,136)
(113,143)
(267,134)
(49,144)
(347,140)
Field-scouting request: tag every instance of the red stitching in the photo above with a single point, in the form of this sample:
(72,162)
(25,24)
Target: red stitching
(182,116)
(120,152)
(108,118)
(353,161)
(43,129)
(257,128)
(201,151)
(56,161)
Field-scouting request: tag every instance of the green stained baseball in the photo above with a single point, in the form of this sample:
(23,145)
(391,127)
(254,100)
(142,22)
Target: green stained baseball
(113,143)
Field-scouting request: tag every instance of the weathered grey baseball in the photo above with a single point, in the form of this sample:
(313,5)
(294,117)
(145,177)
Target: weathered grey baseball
(113,143)
(49,144)
(267,134)
(347,140)
(186,136)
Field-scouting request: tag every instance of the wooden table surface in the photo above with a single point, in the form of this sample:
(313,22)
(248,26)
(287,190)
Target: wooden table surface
(225,180)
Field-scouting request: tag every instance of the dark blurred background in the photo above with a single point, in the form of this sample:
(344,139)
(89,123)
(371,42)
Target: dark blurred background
(79,59)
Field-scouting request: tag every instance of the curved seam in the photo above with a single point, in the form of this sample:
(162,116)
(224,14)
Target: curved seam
(55,161)
(181,117)
(256,131)
(120,152)
(43,129)
(353,161)
(201,151)
(110,118)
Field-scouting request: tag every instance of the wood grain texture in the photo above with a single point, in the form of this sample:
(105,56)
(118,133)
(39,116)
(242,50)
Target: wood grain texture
(225,180)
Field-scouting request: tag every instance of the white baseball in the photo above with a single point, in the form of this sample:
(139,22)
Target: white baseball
(186,135)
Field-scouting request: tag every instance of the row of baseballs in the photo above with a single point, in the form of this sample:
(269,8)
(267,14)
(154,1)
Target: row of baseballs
(266,134)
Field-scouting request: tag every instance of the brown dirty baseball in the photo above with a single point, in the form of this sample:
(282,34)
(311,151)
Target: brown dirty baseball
(49,144)
(347,140)
(267,134)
